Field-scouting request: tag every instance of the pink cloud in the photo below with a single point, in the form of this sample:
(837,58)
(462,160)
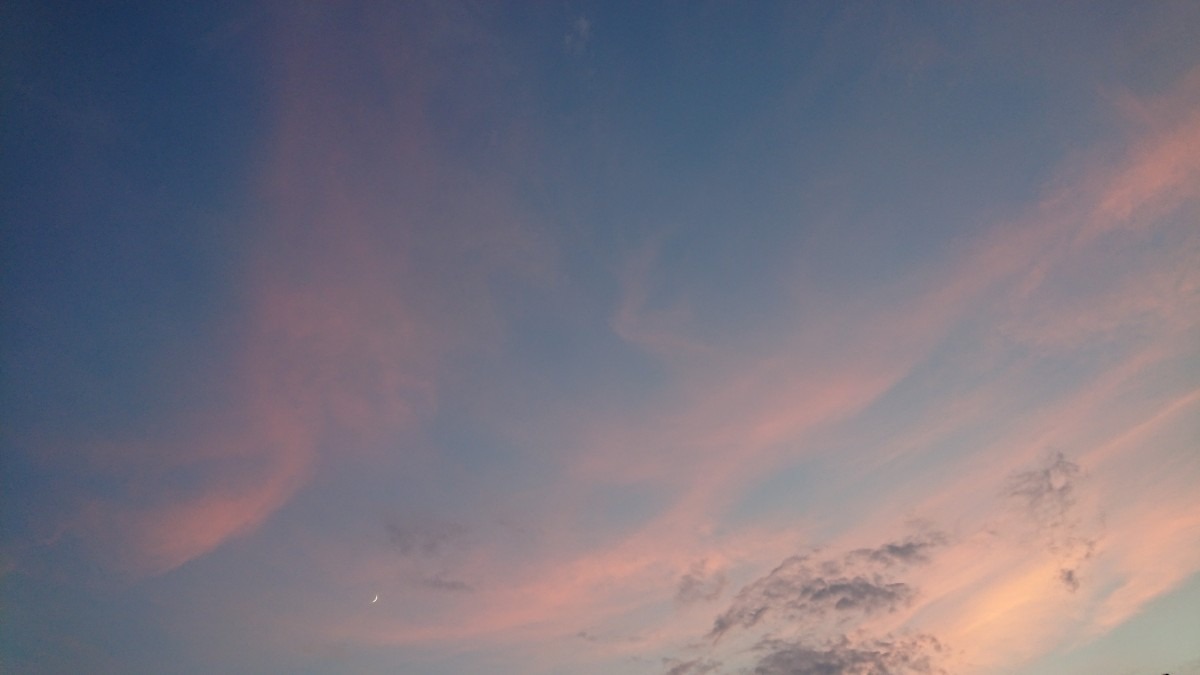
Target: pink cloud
(1162,169)
(362,275)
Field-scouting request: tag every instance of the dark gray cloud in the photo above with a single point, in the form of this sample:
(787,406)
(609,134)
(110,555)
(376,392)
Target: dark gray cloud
(427,546)
(1047,492)
(1069,579)
(824,598)
(692,667)
(804,588)
(610,638)
(421,537)
(798,590)
(886,656)
(1046,497)
(440,583)
(699,585)
(911,551)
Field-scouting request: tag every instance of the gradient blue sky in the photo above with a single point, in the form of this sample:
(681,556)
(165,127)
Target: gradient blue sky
(652,338)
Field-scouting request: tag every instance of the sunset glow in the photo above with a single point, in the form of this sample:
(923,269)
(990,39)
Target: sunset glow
(589,337)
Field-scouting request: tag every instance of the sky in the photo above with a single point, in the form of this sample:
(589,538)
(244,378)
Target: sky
(669,338)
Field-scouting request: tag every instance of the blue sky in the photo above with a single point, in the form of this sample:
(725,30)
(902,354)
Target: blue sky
(703,338)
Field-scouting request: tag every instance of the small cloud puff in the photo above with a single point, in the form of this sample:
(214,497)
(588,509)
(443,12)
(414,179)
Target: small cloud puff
(700,585)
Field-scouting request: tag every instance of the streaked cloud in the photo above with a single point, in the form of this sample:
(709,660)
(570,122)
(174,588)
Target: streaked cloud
(838,657)
(803,591)
(692,667)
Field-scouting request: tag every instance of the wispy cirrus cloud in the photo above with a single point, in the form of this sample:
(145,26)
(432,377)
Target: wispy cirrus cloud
(348,309)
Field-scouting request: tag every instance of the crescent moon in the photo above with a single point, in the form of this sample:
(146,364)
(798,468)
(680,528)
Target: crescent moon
(375,600)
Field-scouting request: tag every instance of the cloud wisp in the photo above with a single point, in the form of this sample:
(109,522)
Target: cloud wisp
(1046,495)
(700,584)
